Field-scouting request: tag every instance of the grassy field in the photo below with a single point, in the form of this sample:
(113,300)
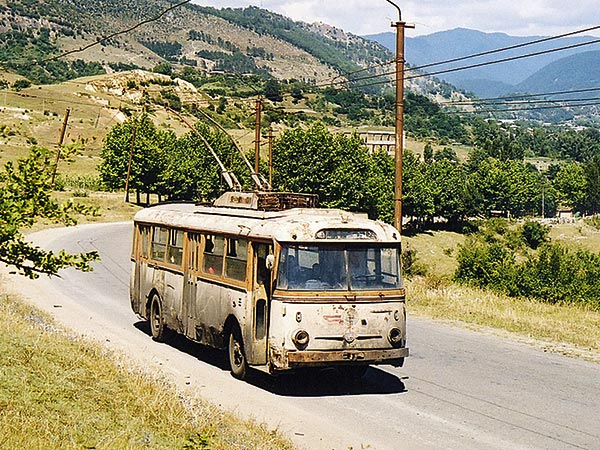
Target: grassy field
(566,329)
(59,391)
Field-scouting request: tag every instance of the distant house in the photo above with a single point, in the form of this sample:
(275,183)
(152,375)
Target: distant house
(565,215)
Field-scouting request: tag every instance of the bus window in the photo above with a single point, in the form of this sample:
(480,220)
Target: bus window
(213,254)
(194,252)
(175,247)
(144,241)
(237,255)
(159,243)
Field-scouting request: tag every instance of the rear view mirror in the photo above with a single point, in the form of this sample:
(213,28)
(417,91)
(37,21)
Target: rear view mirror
(270,261)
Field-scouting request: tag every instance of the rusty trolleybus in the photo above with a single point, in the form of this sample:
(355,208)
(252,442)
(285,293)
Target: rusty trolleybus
(277,282)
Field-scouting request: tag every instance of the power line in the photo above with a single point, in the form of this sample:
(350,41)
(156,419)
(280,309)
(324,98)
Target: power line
(110,36)
(515,96)
(512,47)
(533,108)
(471,66)
(462,58)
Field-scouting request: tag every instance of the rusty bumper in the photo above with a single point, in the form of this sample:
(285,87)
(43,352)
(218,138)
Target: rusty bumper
(319,358)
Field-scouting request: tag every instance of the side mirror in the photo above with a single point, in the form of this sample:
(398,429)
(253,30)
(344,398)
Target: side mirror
(270,261)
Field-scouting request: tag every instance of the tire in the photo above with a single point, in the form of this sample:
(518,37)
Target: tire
(157,320)
(237,357)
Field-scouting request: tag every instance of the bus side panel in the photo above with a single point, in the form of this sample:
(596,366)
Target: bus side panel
(172,299)
(214,303)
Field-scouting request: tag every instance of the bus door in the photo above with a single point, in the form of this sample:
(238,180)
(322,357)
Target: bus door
(143,275)
(190,280)
(261,294)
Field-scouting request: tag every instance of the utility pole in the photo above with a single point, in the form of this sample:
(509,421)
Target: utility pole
(400,26)
(60,143)
(257,136)
(131,147)
(271,156)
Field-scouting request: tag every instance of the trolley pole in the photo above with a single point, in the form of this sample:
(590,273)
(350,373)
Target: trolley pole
(60,143)
(257,136)
(400,26)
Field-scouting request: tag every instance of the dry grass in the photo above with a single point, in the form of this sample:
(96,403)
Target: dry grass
(567,329)
(60,391)
(436,250)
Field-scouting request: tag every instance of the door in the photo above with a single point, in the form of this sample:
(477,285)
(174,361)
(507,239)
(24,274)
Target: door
(261,294)
(190,280)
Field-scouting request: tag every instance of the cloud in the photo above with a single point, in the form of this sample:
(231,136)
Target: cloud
(531,17)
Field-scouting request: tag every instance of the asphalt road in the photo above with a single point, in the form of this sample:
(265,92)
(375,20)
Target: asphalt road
(459,389)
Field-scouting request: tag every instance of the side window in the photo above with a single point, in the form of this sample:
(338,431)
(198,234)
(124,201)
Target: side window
(175,247)
(237,256)
(145,241)
(159,243)
(214,247)
(194,253)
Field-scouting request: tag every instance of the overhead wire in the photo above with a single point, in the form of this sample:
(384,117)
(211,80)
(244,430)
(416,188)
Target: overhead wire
(462,58)
(106,38)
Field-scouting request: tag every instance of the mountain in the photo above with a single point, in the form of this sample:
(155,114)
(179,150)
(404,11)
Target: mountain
(581,71)
(249,40)
(490,80)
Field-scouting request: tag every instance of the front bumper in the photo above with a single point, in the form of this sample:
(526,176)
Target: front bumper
(342,357)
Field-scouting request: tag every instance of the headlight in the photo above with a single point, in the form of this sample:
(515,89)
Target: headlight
(396,337)
(301,339)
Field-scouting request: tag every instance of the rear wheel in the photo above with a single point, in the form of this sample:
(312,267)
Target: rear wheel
(237,356)
(157,320)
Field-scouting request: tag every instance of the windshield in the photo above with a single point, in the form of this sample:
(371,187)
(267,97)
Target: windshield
(338,268)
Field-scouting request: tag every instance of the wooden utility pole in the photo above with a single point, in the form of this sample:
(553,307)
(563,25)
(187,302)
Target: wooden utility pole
(271,156)
(60,143)
(131,147)
(400,26)
(257,136)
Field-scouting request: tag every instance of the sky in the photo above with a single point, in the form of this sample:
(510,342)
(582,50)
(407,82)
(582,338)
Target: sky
(516,18)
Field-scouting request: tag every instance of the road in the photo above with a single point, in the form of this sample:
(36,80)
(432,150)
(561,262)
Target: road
(459,389)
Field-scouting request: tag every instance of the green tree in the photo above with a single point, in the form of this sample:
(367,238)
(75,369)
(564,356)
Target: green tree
(148,157)
(315,161)
(25,196)
(570,183)
(592,176)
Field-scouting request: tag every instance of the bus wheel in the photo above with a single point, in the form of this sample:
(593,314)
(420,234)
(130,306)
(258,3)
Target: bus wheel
(237,357)
(157,321)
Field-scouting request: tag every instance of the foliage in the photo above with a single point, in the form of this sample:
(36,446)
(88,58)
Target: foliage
(547,271)
(147,155)
(534,233)
(335,167)
(25,196)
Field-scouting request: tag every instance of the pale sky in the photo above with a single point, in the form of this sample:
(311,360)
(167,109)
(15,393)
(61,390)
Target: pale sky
(516,18)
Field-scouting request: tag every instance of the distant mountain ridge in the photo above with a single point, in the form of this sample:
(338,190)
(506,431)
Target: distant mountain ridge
(490,80)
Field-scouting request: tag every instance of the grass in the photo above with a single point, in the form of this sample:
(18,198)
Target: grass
(564,328)
(567,329)
(59,391)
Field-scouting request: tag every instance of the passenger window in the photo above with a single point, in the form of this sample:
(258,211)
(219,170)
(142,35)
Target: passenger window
(159,243)
(175,247)
(237,255)
(214,247)
(144,241)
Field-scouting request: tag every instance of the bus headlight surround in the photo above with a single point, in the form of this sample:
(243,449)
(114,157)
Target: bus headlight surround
(301,339)
(396,337)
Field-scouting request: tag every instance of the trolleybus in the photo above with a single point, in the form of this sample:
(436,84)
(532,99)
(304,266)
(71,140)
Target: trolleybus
(277,282)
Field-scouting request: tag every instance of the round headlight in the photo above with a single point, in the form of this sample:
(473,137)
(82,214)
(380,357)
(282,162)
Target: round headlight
(301,339)
(396,337)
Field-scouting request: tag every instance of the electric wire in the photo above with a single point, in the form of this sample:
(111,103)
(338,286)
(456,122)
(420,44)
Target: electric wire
(106,38)
(462,58)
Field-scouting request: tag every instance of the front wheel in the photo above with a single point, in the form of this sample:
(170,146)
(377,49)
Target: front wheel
(157,320)
(237,357)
